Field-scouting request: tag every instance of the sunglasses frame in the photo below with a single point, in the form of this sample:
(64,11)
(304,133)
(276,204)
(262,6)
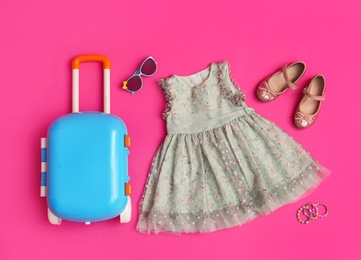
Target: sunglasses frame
(138,73)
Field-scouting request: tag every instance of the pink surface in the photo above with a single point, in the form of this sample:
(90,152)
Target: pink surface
(38,41)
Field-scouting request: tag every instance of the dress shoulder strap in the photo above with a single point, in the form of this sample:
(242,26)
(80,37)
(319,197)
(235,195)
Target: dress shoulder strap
(230,89)
(165,86)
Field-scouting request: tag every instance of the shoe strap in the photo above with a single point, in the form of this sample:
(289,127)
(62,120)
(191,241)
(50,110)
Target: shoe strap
(318,98)
(285,75)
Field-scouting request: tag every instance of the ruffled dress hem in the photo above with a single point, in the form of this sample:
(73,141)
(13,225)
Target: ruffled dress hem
(234,215)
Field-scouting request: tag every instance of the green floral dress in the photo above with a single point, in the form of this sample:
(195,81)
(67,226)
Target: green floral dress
(221,164)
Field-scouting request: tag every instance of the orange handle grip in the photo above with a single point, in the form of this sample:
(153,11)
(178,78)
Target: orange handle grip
(90,57)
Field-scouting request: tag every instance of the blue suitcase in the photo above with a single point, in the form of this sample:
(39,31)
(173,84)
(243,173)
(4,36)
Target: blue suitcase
(85,160)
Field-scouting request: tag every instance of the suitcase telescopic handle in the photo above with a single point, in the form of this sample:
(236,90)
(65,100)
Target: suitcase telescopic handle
(75,81)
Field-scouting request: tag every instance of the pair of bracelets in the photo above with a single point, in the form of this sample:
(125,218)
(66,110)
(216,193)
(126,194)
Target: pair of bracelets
(311,211)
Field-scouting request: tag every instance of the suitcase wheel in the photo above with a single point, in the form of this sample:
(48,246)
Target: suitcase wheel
(53,219)
(126,215)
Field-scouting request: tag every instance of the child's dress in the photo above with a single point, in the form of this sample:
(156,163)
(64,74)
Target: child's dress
(221,164)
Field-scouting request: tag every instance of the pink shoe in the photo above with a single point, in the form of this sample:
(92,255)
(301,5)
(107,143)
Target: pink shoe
(276,84)
(309,107)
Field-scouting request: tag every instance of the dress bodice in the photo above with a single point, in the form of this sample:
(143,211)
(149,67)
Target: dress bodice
(203,100)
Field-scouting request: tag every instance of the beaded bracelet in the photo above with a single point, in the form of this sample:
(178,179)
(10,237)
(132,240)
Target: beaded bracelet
(326,209)
(298,215)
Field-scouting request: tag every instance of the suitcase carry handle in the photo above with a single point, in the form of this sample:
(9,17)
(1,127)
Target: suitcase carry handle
(75,79)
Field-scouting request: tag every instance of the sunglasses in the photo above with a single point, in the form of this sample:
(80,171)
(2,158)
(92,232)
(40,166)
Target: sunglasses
(135,83)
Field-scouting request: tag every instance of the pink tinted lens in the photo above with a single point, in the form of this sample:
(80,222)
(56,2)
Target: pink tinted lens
(149,67)
(134,83)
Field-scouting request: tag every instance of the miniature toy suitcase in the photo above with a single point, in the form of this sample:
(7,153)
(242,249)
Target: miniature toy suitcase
(85,160)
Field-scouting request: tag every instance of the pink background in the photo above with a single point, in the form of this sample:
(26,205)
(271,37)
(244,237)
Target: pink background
(38,41)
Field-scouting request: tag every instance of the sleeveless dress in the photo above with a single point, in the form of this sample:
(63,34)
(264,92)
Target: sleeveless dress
(221,164)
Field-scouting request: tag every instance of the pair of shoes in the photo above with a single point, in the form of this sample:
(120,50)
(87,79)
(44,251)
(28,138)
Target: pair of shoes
(313,95)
